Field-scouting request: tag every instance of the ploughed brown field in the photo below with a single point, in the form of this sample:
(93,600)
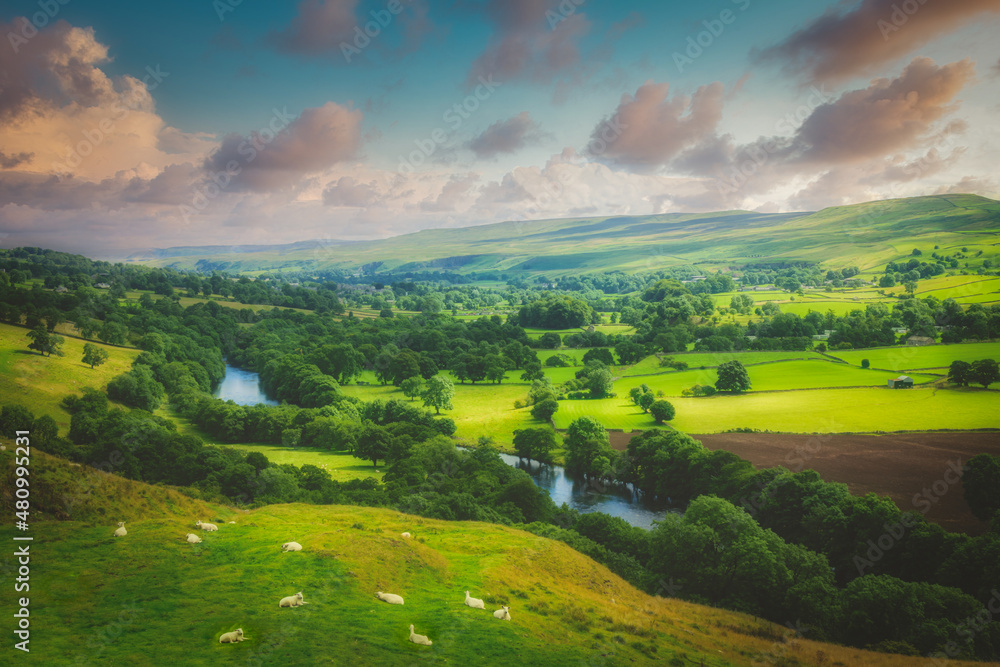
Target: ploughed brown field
(914,469)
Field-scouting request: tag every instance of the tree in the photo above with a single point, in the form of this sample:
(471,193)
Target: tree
(373,442)
(549,341)
(600,382)
(732,377)
(646,401)
(412,386)
(87,327)
(440,391)
(662,411)
(981,485)
(113,333)
(588,449)
(41,340)
(93,355)
(534,443)
(985,372)
(960,372)
(865,363)
(138,388)
(544,410)
(601,354)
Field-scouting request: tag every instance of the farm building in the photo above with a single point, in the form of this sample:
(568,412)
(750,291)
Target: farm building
(919,340)
(902,382)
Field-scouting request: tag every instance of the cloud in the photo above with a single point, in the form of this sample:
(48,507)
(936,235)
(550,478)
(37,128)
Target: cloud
(889,115)
(11,161)
(347,191)
(281,153)
(318,28)
(842,44)
(324,27)
(972,185)
(648,130)
(532,39)
(506,136)
(456,195)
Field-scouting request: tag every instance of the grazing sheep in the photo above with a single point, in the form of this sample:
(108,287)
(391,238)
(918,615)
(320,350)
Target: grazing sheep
(389,597)
(419,639)
(292,601)
(232,522)
(210,527)
(406,535)
(232,637)
(121,532)
(2,448)
(475,603)
(291,546)
(193,539)
(503,613)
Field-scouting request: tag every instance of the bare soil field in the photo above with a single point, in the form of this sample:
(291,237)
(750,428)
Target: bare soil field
(913,469)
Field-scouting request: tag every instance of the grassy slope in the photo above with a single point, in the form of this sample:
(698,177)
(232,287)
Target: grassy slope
(39,383)
(152,599)
(869,235)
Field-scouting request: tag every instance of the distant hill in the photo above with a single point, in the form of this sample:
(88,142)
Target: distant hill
(150,598)
(865,235)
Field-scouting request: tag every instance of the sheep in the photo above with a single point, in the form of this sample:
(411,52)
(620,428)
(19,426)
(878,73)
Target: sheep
(232,522)
(475,603)
(291,546)
(406,535)
(232,637)
(389,597)
(419,639)
(121,532)
(210,527)
(292,601)
(503,613)
(193,539)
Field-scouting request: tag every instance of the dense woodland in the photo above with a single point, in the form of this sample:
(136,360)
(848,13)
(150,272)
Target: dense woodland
(777,543)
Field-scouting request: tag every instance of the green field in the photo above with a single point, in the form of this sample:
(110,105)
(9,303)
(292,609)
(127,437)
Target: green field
(40,383)
(341,465)
(818,411)
(931,356)
(150,598)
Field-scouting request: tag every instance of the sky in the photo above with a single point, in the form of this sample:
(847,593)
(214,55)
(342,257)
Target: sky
(223,122)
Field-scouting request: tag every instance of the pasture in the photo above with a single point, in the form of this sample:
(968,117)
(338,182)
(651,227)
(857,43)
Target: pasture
(930,356)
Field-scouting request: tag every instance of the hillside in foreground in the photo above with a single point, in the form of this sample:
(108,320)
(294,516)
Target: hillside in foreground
(863,235)
(150,598)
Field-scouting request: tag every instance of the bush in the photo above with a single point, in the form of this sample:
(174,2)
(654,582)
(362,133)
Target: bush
(556,360)
(865,363)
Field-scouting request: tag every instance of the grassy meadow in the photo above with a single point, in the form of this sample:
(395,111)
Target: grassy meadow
(150,598)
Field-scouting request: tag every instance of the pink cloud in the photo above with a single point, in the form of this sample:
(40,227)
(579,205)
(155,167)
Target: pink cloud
(506,136)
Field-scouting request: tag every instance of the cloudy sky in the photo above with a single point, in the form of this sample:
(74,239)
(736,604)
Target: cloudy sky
(193,122)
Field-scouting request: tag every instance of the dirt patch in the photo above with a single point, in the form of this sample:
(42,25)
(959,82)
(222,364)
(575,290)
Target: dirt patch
(903,466)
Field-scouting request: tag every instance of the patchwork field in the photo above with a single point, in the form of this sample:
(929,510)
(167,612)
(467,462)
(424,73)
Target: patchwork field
(341,465)
(931,356)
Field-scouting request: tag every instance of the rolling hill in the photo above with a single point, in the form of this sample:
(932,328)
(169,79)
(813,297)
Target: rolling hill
(152,598)
(866,235)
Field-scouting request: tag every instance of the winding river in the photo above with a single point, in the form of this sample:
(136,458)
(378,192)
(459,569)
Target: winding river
(243,387)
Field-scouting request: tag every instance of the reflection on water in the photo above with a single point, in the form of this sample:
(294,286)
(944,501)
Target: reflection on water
(242,387)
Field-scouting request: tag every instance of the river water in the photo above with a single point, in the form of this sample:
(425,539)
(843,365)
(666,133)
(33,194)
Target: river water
(243,387)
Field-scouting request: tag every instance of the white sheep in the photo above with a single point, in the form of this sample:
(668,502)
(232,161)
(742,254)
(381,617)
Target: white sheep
(292,601)
(232,522)
(389,597)
(503,613)
(419,639)
(475,603)
(232,637)
(193,539)
(121,532)
(406,535)
(2,448)
(291,546)
(210,527)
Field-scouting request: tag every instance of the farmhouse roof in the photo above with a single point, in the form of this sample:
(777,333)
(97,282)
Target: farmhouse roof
(904,378)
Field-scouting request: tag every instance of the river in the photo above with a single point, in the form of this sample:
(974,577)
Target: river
(243,387)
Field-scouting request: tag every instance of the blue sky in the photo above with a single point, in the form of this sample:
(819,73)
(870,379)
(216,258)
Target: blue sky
(131,125)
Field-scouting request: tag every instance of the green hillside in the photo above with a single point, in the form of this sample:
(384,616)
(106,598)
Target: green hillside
(865,235)
(151,598)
